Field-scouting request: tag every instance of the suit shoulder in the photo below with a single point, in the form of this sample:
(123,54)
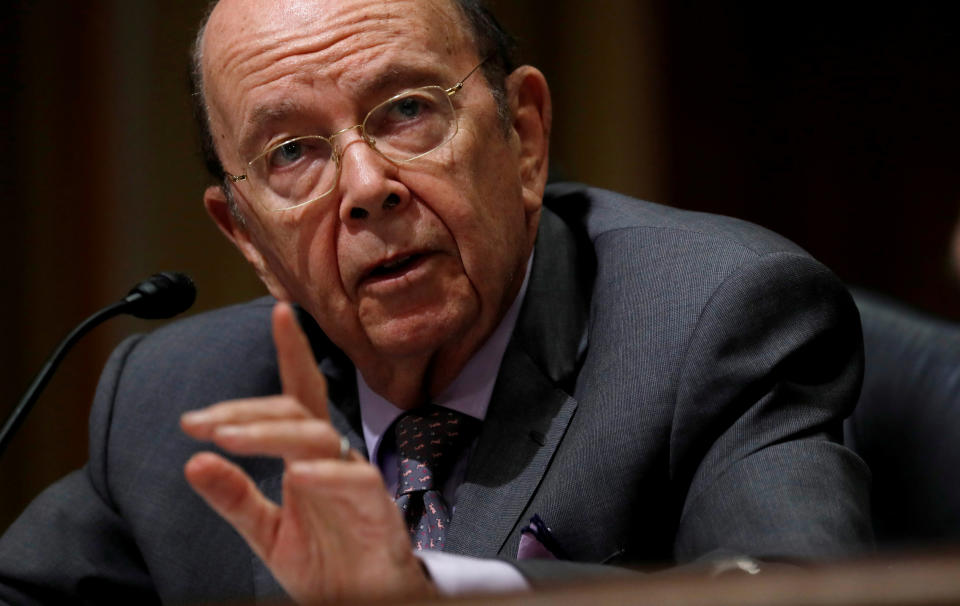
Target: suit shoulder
(228,331)
(212,355)
(605,214)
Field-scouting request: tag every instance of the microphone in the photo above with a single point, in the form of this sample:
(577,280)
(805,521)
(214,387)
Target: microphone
(162,295)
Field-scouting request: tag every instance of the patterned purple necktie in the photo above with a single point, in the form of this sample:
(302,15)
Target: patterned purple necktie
(429,442)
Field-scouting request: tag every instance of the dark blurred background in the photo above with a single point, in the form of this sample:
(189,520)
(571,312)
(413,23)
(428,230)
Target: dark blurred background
(831,123)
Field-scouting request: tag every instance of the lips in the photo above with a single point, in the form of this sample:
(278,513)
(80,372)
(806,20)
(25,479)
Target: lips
(394,267)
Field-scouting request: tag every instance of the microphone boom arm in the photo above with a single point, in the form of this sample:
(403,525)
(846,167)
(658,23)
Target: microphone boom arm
(43,377)
(161,296)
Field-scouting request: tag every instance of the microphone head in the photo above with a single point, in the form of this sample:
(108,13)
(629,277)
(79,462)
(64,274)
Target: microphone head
(162,295)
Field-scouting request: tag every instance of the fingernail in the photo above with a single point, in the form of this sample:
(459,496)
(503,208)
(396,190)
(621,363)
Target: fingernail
(300,467)
(195,417)
(229,431)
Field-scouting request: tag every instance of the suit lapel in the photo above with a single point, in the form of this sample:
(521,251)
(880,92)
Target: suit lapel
(531,407)
(514,449)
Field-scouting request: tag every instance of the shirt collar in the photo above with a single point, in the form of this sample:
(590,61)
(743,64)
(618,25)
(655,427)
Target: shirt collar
(469,393)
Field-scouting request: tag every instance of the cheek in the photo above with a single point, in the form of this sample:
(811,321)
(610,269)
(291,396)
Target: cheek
(305,261)
(492,251)
(490,230)
(479,200)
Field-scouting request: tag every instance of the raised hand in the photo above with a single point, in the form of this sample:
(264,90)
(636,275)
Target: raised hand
(338,534)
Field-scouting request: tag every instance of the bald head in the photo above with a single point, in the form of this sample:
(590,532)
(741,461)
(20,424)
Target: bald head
(473,20)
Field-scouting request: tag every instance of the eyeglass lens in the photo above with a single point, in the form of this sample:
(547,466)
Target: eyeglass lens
(401,129)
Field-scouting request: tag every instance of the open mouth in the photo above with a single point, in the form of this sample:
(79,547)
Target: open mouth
(395,267)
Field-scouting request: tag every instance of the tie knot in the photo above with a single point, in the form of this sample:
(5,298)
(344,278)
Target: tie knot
(428,442)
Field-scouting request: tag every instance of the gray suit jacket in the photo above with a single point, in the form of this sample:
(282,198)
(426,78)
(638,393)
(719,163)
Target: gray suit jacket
(674,390)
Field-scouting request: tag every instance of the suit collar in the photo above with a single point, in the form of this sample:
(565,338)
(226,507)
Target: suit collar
(552,328)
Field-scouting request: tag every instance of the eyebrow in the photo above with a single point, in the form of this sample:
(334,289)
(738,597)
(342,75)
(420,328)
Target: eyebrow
(399,77)
(262,117)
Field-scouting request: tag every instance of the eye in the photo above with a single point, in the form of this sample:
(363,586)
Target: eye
(413,113)
(286,154)
(407,108)
(411,108)
(300,153)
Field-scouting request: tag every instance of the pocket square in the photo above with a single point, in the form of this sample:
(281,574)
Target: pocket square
(537,542)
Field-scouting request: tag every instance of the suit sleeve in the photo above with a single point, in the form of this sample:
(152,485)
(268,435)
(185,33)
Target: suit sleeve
(71,545)
(772,369)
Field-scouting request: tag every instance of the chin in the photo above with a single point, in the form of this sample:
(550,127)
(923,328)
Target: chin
(420,334)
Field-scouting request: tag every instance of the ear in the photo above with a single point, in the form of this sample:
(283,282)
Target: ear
(529,97)
(215,201)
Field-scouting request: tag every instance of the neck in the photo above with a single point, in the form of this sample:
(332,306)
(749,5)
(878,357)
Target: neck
(412,381)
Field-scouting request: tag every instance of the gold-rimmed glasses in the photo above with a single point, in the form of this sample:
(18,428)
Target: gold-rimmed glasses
(304,169)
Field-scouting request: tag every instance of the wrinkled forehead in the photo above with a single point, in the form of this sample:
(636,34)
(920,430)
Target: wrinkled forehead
(263,56)
(331,31)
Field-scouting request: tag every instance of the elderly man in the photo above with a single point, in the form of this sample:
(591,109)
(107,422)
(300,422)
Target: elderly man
(500,382)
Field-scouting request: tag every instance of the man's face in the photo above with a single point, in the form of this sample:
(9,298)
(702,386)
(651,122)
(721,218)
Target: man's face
(399,260)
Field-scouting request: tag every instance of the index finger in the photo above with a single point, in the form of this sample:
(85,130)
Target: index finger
(299,374)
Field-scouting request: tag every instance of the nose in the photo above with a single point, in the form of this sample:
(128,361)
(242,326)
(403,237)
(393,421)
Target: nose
(369,188)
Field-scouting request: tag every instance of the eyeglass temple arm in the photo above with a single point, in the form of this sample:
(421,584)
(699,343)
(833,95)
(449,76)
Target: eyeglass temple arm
(456,87)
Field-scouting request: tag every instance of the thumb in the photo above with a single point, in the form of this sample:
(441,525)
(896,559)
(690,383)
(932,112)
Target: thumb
(299,374)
